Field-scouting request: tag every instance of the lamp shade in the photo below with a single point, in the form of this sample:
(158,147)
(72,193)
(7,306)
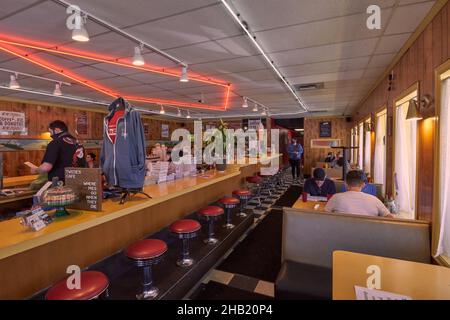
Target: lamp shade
(413,111)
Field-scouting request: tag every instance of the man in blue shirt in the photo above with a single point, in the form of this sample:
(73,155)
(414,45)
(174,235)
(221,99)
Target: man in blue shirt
(319,185)
(295,152)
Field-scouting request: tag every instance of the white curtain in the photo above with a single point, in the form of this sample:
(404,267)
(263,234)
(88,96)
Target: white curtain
(367,153)
(361,146)
(444,185)
(405,162)
(379,173)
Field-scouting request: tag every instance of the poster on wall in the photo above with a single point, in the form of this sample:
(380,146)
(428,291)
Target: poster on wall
(81,123)
(11,122)
(254,124)
(164,131)
(325,129)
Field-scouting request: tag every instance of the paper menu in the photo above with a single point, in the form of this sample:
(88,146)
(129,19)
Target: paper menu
(373,294)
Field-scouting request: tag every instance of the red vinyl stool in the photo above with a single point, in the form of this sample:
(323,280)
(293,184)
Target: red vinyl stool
(211,214)
(243,195)
(185,229)
(146,253)
(92,285)
(229,203)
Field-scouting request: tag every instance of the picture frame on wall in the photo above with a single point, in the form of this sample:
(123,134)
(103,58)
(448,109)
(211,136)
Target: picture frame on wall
(164,131)
(325,129)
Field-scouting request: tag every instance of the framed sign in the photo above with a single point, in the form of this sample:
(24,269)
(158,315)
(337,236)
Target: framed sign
(11,122)
(87,183)
(325,129)
(164,131)
(81,122)
(325,143)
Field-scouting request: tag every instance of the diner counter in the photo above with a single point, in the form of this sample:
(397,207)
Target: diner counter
(31,261)
(20,181)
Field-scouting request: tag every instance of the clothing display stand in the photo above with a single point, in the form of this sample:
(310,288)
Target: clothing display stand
(344,155)
(130,193)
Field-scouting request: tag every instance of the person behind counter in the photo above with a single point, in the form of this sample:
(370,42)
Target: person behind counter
(63,151)
(90,160)
(319,184)
(356,202)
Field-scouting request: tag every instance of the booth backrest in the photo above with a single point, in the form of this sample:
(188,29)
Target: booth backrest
(311,237)
(335,173)
(340,187)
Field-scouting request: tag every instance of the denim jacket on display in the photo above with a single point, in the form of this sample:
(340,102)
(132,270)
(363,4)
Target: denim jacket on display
(123,161)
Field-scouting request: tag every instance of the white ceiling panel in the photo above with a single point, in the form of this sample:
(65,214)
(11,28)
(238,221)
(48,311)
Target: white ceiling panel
(345,75)
(413,14)
(389,44)
(231,65)
(381,60)
(325,67)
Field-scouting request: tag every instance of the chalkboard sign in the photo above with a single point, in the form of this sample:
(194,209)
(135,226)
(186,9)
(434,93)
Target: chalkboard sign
(87,183)
(325,129)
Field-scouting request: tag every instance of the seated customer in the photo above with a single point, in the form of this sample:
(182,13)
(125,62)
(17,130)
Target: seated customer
(330,157)
(356,202)
(319,185)
(368,187)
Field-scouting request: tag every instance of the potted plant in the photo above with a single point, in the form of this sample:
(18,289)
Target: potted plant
(222,128)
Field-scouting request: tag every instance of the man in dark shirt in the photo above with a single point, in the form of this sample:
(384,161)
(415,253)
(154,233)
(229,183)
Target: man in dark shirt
(63,151)
(319,185)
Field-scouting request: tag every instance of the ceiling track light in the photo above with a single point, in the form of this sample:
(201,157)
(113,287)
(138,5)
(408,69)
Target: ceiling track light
(188,116)
(179,113)
(255,108)
(13,83)
(266,57)
(184,74)
(138,59)
(80,34)
(264,113)
(57,91)
(162,111)
(245,104)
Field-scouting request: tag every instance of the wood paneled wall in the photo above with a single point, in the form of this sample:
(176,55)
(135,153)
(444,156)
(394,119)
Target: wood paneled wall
(417,65)
(340,129)
(39,116)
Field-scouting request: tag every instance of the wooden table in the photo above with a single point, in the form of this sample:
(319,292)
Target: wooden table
(31,261)
(20,181)
(418,280)
(309,205)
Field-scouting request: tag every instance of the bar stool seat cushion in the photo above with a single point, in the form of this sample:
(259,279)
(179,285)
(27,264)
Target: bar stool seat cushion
(93,283)
(211,211)
(243,193)
(254,179)
(185,226)
(146,249)
(229,201)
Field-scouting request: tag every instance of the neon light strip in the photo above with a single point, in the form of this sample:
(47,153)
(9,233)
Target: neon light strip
(99,88)
(110,60)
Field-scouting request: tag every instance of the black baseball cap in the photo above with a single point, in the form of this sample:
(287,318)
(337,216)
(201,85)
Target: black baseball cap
(319,174)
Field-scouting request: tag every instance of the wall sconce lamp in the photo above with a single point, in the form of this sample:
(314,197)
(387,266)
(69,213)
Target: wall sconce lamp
(369,126)
(415,108)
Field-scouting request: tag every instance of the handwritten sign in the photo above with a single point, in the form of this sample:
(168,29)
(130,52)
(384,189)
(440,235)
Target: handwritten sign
(325,129)
(87,183)
(12,121)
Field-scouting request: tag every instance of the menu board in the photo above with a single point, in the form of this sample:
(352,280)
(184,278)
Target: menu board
(325,129)
(87,183)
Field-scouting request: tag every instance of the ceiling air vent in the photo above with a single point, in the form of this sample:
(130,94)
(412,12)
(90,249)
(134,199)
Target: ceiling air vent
(308,86)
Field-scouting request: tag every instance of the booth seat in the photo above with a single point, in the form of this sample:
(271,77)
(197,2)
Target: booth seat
(309,239)
(379,188)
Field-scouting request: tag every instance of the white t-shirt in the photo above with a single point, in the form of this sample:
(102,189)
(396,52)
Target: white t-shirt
(354,202)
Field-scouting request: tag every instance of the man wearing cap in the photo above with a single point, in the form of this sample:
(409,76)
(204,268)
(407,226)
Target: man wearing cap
(319,184)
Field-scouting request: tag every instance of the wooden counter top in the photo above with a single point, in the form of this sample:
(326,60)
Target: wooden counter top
(14,238)
(18,181)
(309,205)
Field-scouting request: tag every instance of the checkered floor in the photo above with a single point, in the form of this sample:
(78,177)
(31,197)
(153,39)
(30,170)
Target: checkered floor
(239,281)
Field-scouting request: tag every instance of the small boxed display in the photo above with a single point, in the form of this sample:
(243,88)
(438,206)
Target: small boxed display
(36,218)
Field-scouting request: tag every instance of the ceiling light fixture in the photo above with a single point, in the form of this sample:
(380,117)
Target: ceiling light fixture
(179,113)
(80,34)
(57,91)
(13,83)
(184,74)
(245,104)
(269,61)
(264,113)
(162,111)
(255,108)
(138,60)
(188,115)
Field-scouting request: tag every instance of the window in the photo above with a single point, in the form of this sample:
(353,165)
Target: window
(442,221)
(379,165)
(367,148)
(355,144)
(361,145)
(405,156)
